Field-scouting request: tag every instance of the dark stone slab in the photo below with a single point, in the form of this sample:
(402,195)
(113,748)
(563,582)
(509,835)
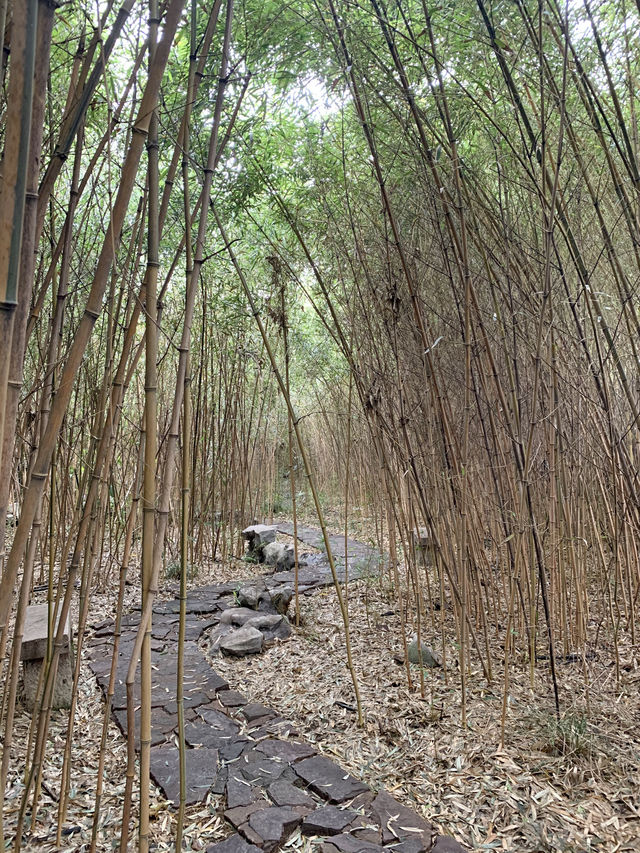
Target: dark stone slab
(193,698)
(285,794)
(398,822)
(347,843)
(119,701)
(201,734)
(277,726)
(412,845)
(328,780)
(239,792)
(159,732)
(233,844)
(445,844)
(232,698)
(220,784)
(202,769)
(234,748)
(259,723)
(260,770)
(367,833)
(239,816)
(274,825)
(254,710)
(363,801)
(327,820)
(200,606)
(288,751)
(217,722)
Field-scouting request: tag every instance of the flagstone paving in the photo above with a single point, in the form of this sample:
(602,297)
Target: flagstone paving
(270,782)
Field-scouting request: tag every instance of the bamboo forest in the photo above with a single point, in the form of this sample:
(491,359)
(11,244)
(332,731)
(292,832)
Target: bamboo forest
(320,426)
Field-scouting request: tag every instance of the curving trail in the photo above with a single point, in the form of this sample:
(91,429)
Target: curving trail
(270,783)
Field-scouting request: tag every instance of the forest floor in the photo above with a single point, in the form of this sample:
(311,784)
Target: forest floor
(555,786)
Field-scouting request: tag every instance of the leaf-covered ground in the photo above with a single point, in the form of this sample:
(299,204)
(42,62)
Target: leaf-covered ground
(568,786)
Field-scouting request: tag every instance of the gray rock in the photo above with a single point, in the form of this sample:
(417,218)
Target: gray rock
(279,555)
(217,635)
(259,534)
(272,553)
(272,625)
(236,615)
(281,598)
(62,688)
(242,641)
(429,657)
(251,595)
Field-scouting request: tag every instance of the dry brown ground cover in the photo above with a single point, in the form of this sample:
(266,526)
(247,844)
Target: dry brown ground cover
(569,786)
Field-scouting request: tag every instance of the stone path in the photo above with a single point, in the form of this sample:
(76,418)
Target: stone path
(270,783)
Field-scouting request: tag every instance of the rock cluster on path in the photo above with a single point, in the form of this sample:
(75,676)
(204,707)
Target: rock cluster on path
(271,783)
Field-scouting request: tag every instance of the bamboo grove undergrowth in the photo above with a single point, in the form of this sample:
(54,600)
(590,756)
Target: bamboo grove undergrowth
(372,262)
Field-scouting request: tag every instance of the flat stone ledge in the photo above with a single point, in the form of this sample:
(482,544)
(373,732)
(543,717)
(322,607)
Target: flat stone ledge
(34,638)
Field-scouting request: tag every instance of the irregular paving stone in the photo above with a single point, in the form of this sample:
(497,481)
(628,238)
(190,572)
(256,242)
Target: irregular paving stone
(192,699)
(233,844)
(285,794)
(273,825)
(288,751)
(347,843)
(445,844)
(327,820)
(367,833)
(158,735)
(220,784)
(197,606)
(218,721)
(239,816)
(242,641)
(239,792)
(200,734)
(254,710)
(399,822)
(234,749)
(363,801)
(232,698)
(261,770)
(276,726)
(328,780)
(202,769)
(411,845)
